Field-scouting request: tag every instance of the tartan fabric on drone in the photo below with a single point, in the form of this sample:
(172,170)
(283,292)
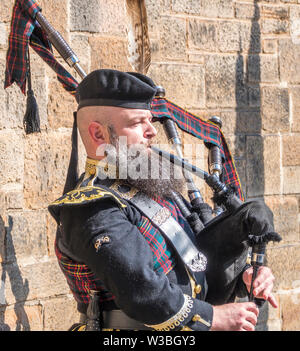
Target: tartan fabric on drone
(22,26)
(25,30)
(63,76)
(201,129)
(81,279)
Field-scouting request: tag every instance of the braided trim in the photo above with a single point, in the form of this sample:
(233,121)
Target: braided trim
(177,319)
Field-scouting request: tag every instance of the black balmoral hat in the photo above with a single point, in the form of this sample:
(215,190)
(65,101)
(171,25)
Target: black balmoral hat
(107,87)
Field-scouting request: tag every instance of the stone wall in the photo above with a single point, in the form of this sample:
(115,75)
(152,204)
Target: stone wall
(236,59)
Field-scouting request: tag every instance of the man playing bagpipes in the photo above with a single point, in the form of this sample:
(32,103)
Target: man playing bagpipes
(130,257)
(108,244)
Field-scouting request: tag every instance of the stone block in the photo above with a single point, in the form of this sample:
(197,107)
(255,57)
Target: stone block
(203,35)
(239,37)
(85,16)
(272,165)
(295,106)
(46,163)
(156,9)
(112,17)
(51,227)
(20,317)
(26,235)
(60,313)
(274,26)
(80,45)
(224,82)
(290,305)
(289,56)
(205,8)
(269,46)
(262,69)
(57,13)
(255,166)
(294,13)
(184,83)
(3,36)
(40,92)
(11,168)
(237,145)
(61,106)
(155,48)
(11,197)
(37,279)
(224,36)
(173,38)
(284,262)
(247,11)
(279,12)
(291,184)
(291,150)
(229,119)
(6,8)
(109,53)
(13,107)
(275,109)
(254,97)
(285,211)
(195,57)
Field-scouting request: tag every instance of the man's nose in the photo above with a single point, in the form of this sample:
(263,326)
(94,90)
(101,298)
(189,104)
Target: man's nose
(150,132)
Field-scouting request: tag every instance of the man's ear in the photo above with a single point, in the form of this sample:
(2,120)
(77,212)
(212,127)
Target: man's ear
(98,133)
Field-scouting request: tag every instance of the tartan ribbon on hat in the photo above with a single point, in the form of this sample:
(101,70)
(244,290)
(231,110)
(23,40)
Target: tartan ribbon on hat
(201,129)
(26,31)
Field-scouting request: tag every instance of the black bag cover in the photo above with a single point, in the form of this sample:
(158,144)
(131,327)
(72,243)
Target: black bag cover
(225,241)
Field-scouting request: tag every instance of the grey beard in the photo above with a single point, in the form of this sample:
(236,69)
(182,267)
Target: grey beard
(159,178)
(163,186)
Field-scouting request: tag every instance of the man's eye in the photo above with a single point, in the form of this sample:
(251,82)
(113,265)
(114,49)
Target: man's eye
(136,122)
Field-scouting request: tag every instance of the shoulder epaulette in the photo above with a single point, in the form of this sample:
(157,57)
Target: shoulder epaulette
(86,195)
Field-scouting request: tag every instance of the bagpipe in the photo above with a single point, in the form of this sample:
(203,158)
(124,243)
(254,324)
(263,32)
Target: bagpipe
(226,233)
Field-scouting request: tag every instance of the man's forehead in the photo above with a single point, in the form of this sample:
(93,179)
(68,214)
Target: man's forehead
(133,113)
(113,111)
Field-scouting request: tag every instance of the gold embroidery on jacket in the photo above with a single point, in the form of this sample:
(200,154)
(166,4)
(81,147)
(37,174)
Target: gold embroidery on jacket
(83,194)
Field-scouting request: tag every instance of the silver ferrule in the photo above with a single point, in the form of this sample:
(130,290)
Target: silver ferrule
(215,168)
(258,258)
(79,70)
